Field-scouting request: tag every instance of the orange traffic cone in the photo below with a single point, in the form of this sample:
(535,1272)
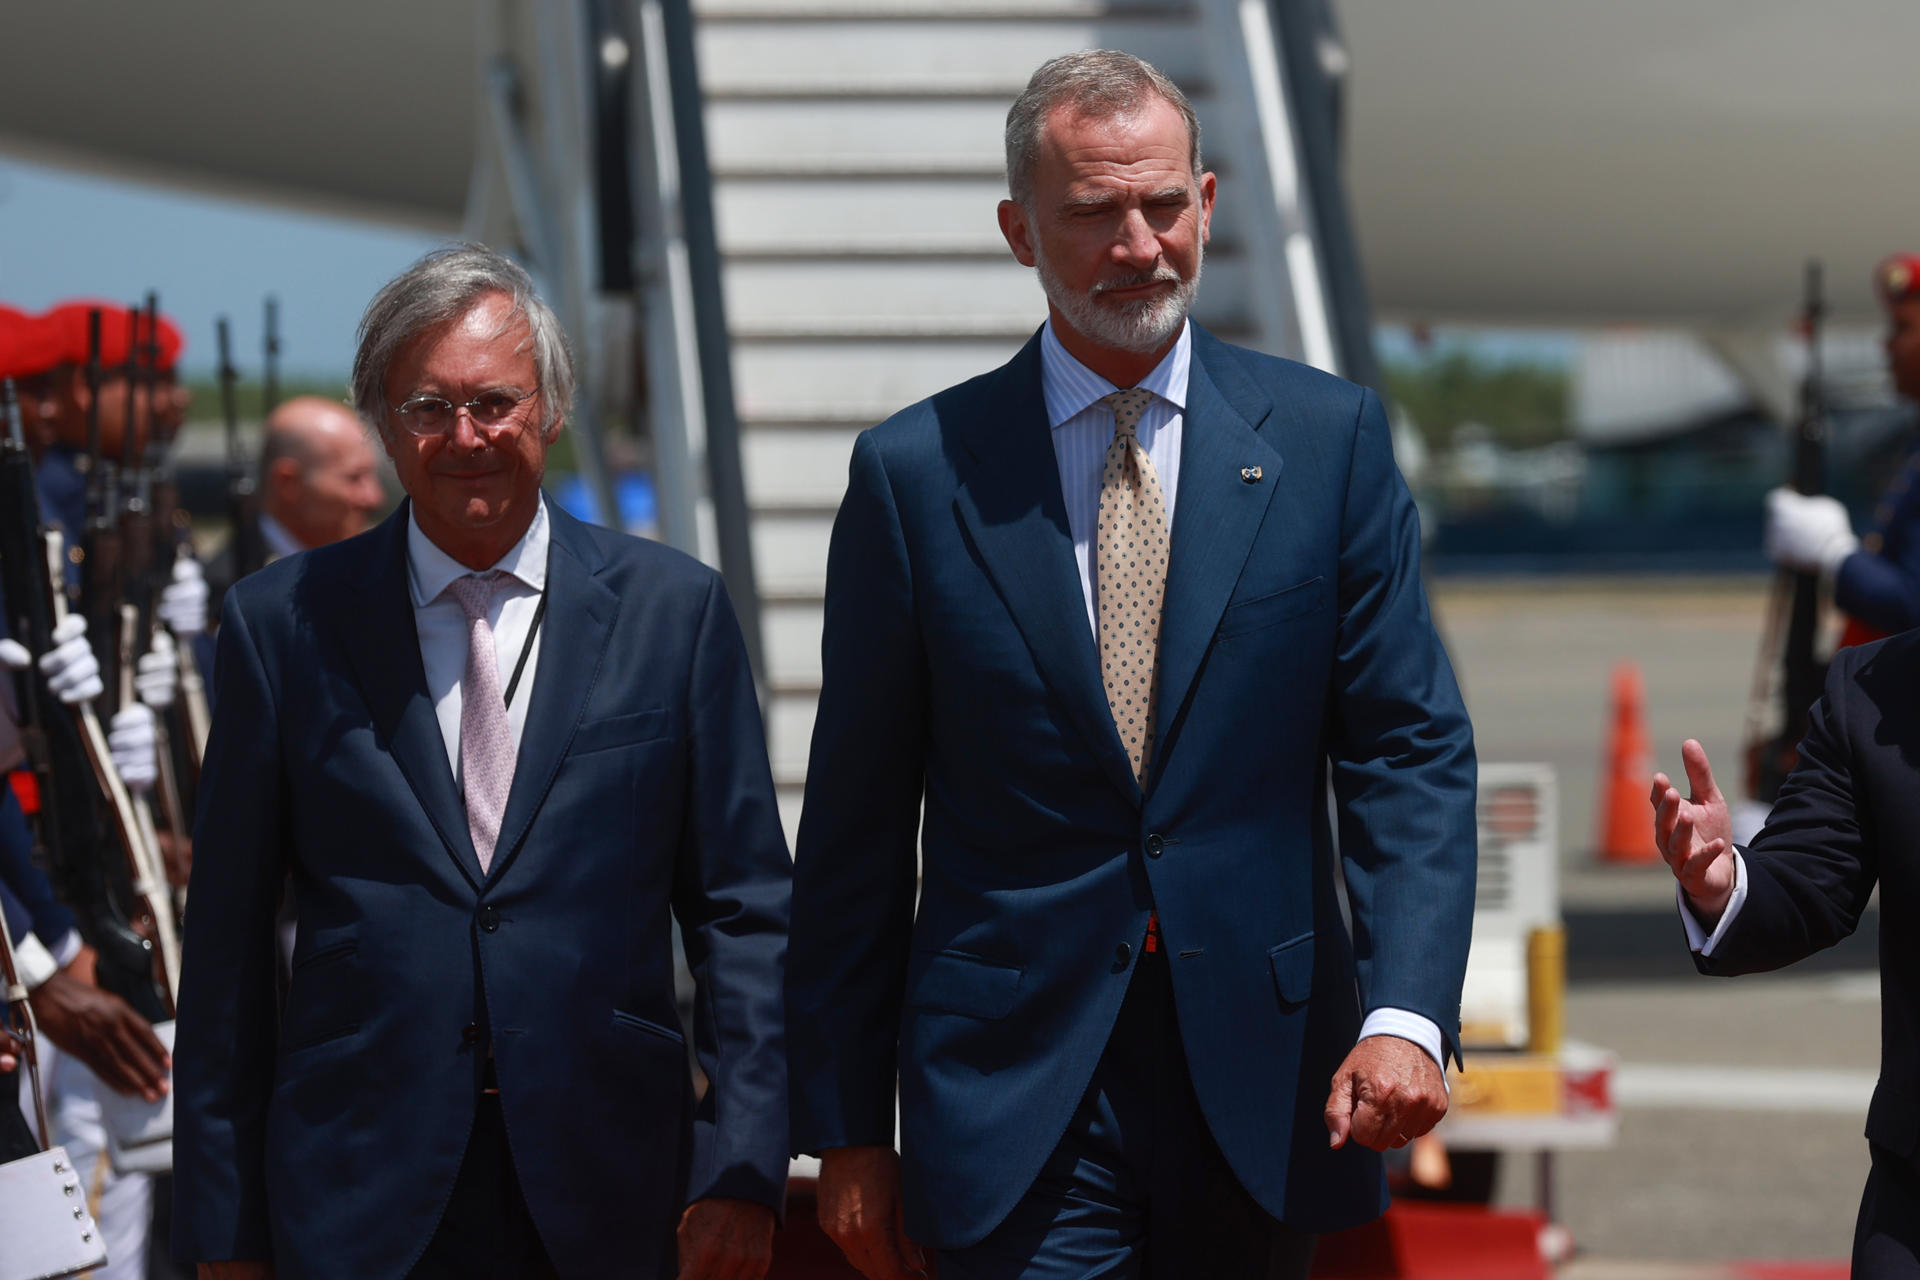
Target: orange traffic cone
(1626,821)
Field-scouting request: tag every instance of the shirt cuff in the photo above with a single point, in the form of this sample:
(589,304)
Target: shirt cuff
(1408,1025)
(67,950)
(1697,938)
(33,962)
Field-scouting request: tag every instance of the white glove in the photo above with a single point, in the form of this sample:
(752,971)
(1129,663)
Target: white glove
(157,675)
(134,746)
(183,604)
(1808,534)
(72,672)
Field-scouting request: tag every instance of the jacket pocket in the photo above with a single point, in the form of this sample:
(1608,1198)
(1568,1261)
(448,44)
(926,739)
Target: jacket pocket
(672,1035)
(1266,611)
(955,982)
(1292,964)
(619,731)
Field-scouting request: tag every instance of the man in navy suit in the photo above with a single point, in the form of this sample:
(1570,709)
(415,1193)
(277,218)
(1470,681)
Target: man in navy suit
(1843,825)
(499,752)
(1102,626)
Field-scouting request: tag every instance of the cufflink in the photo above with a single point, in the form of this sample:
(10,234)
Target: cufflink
(1250,474)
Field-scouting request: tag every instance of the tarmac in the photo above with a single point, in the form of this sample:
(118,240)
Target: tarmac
(1740,1154)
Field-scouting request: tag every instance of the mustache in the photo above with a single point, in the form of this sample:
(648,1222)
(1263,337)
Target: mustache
(1164,275)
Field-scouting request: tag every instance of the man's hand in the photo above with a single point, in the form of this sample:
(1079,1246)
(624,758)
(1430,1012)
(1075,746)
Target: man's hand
(1388,1092)
(722,1239)
(1696,835)
(103,1031)
(860,1211)
(244,1269)
(9,1053)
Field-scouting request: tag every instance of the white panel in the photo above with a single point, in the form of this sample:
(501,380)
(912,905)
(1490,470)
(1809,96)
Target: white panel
(859,135)
(851,58)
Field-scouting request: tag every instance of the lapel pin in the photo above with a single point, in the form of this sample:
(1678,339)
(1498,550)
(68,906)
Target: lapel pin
(1250,474)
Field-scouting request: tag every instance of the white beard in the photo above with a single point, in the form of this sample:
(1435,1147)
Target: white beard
(1140,326)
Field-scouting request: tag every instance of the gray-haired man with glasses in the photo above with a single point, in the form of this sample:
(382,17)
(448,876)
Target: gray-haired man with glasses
(499,751)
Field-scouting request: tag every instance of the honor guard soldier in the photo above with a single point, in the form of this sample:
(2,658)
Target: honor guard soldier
(1875,578)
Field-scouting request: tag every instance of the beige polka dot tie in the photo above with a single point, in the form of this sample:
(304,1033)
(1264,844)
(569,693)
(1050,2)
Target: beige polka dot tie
(1130,577)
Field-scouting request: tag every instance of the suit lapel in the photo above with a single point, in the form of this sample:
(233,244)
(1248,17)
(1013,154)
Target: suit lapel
(384,649)
(580,617)
(1010,502)
(1217,513)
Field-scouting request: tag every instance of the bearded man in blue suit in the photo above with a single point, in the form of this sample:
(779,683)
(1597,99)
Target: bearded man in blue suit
(1102,627)
(498,752)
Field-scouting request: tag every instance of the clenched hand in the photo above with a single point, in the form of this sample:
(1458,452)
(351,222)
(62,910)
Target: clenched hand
(860,1211)
(1388,1092)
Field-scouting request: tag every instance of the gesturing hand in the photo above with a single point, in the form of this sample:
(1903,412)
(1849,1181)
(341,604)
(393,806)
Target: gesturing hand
(860,1212)
(1388,1092)
(1696,835)
(723,1239)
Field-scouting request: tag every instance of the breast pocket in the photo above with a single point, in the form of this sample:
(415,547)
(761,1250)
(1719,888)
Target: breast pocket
(613,732)
(1274,608)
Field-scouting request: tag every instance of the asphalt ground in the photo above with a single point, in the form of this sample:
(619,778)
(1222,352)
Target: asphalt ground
(1741,1101)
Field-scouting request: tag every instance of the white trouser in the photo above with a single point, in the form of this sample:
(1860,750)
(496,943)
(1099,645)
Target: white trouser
(121,1203)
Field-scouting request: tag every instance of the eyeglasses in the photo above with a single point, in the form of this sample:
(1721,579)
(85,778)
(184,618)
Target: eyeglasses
(494,408)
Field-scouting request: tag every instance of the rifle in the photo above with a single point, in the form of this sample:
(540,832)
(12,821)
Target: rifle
(270,378)
(81,816)
(243,499)
(1796,595)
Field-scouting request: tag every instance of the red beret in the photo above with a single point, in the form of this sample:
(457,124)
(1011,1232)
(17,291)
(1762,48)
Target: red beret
(69,322)
(1897,278)
(28,345)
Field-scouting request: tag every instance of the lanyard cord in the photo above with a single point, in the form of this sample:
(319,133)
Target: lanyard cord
(539,613)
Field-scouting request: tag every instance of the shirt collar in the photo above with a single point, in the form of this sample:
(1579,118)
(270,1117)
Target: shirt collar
(275,535)
(1070,387)
(430,570)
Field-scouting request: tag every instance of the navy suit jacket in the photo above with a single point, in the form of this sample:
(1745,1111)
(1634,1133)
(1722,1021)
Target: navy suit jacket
(1848,818)
(961,677)
(330,1135)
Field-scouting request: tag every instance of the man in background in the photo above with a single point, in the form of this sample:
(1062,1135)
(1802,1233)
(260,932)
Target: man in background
(319,483)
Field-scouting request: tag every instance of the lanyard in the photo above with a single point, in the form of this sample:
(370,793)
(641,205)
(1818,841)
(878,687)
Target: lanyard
(540,612)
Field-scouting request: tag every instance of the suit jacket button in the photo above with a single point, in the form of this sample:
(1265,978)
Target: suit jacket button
(470,1034)
(1121,955)
(489,919)
(1155,846)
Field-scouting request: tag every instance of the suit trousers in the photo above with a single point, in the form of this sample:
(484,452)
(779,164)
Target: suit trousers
(1886,1240)
(486,1230)
(1137,1189)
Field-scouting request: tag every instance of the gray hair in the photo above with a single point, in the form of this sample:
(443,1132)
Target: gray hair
(442,287)
(1101,83)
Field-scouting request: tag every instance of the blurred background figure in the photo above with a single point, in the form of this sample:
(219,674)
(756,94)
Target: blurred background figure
(1876,578)
(319,483)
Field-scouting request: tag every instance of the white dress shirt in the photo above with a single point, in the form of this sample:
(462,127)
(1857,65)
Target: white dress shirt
(1082,425)
(442,623)
(1697,937)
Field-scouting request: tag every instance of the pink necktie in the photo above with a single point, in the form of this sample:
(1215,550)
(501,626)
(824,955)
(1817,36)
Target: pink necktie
(486,740)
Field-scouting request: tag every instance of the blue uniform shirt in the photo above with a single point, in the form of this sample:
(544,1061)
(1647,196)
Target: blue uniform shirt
(1880,583)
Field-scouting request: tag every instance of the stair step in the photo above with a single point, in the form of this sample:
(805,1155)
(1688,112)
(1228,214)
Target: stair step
(790,733)
(792,633)
(790,551)
(855,381)
(932,297)
(883,216)
(806,467)
(850,58)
